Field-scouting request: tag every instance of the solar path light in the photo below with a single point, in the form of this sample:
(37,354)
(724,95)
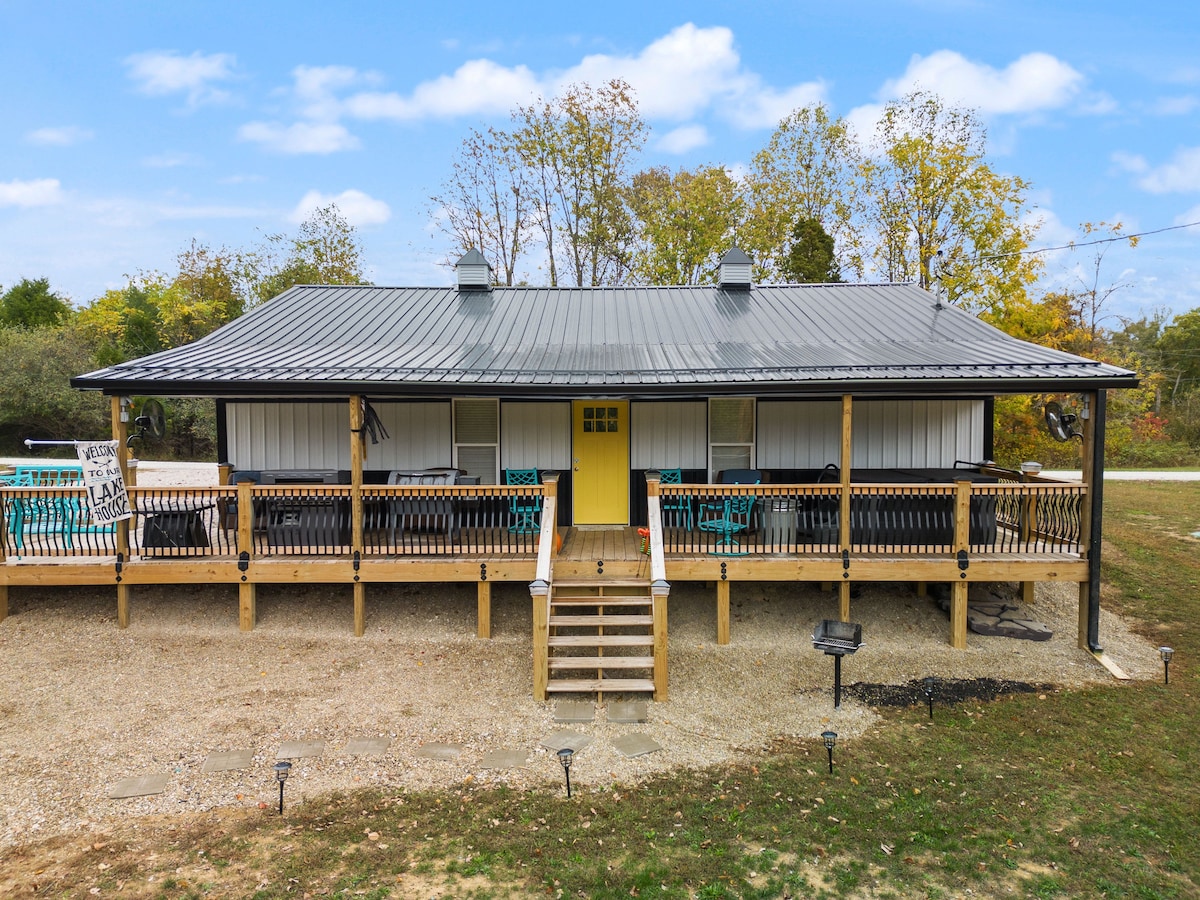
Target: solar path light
(927,685)
(283,768)
(830,738)
(1166,653)
(565,756)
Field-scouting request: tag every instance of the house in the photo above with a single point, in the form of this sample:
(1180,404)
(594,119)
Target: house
(859,416)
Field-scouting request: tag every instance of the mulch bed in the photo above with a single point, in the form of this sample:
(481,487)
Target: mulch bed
(946,692)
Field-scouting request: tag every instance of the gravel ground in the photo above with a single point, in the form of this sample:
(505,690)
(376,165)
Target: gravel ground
(85,704)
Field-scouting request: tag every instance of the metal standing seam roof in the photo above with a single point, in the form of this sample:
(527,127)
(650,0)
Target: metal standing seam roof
(886,338)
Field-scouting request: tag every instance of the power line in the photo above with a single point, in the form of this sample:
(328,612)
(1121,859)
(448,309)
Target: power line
(1076,244)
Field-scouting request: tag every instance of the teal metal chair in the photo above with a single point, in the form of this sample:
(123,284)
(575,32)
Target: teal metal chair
(677,510)
(728,516)
(526,512)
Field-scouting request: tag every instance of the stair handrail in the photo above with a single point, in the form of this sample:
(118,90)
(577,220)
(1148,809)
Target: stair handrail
(658,562)
(546,539)
(539,588)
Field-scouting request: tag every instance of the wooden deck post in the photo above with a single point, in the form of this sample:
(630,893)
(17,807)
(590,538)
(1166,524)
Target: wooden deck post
(539,592)
(360,608)
(844,532)
(483,604)
(3,560)
(120,433)
(247,597)
(722,612)
(962,543)
(659,592)
(357,451)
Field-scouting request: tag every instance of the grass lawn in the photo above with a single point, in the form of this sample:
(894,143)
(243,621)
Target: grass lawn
(1060,794)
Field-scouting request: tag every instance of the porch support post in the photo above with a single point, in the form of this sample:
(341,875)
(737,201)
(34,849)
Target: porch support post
(360,608)
(357,449)
(962,542)
(1091,517)
(3,560)
(120,433)
(659,591)
(539,591)
(483,602)
(723,612)
(247,590)
(844,504)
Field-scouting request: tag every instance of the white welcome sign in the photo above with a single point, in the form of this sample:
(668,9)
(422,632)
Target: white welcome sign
(107,498)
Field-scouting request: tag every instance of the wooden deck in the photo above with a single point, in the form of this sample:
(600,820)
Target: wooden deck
(230,537)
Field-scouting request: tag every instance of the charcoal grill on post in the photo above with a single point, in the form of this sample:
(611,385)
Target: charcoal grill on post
(837,639)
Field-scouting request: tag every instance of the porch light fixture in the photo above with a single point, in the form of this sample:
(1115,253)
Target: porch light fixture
(1166,653)
(927,685)
(283,768)
(565,756)
(830,738)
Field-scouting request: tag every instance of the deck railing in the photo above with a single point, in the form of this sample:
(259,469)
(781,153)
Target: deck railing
(505,520)
(1013,518)
(281,520)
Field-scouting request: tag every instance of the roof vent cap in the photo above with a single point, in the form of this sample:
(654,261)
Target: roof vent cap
(735,270)
(473,272)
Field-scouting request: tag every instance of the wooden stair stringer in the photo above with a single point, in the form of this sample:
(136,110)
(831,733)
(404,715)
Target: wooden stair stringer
(601,636)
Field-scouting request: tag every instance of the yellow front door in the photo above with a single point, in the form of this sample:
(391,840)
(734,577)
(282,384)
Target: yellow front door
(600,454)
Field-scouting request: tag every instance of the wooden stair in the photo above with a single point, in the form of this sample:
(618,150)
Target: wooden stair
(601,636)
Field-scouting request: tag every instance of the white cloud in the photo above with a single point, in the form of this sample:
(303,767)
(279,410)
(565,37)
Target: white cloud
(300,137)
(683,139)
(170,160)
(1035,81)
(1181,174)
(759,107)
(356,207)
(64,136)
(863,119)
(1188,217)
(686,71)
(316,89)
(161,73)
(1175,106)
(478,86)
(1130,162)
(26,194)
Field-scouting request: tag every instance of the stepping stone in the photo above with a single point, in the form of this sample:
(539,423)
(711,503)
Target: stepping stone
(439,751)
(139,786)
(504,759)
(574,711)
(566,740)
(300,749)
(631,745)
(368,746)
(1007,623)
(228,761)
(629,712)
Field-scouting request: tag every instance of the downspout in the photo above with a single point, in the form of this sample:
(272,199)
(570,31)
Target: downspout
(1098,411)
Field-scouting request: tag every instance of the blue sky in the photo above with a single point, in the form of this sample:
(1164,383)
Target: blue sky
(132,128)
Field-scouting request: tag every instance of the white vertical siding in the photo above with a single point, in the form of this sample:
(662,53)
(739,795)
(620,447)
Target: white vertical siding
(535,436)
(887,433)
(916,434)
(288,435)
(671,434)
(272,435)
(796,434)
(420,436)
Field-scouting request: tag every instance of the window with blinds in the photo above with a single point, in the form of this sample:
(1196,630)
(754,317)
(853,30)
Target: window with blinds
(477,438)
(730,434)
